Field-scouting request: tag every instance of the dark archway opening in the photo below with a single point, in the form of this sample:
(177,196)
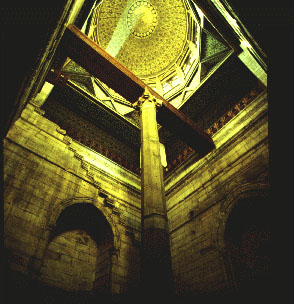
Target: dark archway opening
(76,265)
(86,217)
(248,242)
(78,256)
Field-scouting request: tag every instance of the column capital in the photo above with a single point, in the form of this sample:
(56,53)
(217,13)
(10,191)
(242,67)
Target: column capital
(147,97)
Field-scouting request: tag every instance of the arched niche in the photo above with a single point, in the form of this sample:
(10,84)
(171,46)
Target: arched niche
(247,243)
(60,206)
(78,256)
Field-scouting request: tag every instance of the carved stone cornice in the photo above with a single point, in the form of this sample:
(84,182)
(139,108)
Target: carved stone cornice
(220,123)
(111,204)
(67,140)
(70,133)
(85,165)
(238,107)
(61,131)
(39,111)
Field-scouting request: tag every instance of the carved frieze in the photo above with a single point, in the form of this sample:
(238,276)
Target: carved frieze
(187,151)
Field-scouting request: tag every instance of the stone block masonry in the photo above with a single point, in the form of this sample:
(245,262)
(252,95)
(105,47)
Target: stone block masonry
(43,171)
(46,172)
(195,198)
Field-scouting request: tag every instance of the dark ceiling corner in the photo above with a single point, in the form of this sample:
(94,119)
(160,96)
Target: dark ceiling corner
(262,17)
(25,30)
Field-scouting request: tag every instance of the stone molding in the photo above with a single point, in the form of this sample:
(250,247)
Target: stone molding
(216,127)
(88,167)
(191,165)
(61,131)
(230,183)
(39,111)
(84,164)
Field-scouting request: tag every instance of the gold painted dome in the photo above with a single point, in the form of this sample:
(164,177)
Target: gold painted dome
(146,36)
(142,19)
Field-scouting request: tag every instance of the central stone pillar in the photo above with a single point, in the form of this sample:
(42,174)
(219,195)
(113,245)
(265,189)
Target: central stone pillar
(156,270)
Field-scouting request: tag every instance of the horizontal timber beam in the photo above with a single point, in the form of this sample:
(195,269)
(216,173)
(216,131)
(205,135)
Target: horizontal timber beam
(85,52)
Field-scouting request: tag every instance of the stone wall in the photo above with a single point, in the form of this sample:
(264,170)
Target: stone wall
(199,193)
(45,172)
(70,264)
(94,137)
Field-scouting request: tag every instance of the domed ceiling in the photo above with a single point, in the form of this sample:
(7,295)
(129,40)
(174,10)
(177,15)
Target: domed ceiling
(165,43)
(145,36)
(156,40)
(174,49)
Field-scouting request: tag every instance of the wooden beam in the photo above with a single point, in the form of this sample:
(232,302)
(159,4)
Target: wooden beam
(85,52)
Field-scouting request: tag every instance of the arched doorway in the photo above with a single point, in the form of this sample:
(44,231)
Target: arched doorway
(247,239)
(78,257)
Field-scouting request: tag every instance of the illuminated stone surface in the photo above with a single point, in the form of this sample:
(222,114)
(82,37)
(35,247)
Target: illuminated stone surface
(70,264)
(155,257)
(42,170)
(43,181)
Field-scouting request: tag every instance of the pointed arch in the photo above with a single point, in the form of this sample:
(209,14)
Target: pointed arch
(59,207)
(237,194)
(243,191)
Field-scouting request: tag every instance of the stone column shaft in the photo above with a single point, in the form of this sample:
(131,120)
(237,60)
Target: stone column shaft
(153,198)
(155,256)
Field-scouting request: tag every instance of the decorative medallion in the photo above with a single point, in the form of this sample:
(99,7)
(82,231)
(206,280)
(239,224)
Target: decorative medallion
(142,19)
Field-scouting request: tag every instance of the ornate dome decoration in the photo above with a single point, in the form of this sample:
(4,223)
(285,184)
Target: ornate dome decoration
(142,19)
(146,36)
(158,40)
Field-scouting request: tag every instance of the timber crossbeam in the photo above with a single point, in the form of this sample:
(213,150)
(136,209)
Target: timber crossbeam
(85,52)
